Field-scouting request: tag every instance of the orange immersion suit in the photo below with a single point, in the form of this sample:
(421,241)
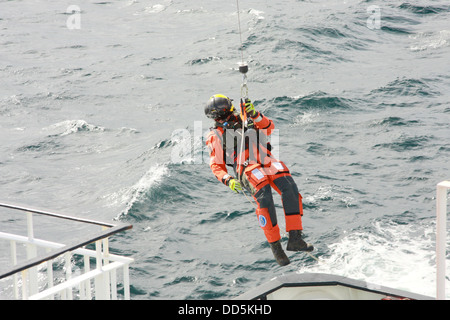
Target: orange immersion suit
(257,170)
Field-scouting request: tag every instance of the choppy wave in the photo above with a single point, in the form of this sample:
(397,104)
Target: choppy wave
(159,186)
(130,196)
(203,60)
(52,141)
(405,143)
(152,9)
(72,126)
(314,101)
(381,249)
(430,40)
(424,10)
(396,121)
(98,125)
(342,196)
(407,87)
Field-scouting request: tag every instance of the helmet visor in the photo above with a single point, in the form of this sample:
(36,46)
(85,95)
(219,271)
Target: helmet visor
(223,113)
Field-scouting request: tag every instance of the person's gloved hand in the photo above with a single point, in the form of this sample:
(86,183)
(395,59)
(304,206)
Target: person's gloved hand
(250,108)
(234,185)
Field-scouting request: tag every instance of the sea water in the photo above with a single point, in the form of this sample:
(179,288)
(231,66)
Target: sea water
(101,116)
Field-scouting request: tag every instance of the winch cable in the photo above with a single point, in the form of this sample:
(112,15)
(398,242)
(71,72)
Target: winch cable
(240,32)
(243,68)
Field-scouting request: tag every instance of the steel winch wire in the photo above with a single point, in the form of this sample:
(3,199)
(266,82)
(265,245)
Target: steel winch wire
(240,31)
(243,68)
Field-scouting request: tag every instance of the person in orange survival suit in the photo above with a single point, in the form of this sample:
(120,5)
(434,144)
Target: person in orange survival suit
(256,170)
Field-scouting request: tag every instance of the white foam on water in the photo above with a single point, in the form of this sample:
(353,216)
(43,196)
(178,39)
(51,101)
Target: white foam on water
(155,8)
(305,118)
(259,15)
(392,255)
(430,40)
(133,194)
(72,126)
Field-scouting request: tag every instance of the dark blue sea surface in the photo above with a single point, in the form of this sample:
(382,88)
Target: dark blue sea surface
(101,116)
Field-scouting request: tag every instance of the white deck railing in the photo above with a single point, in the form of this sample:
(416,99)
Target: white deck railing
(441,237)
(36,278)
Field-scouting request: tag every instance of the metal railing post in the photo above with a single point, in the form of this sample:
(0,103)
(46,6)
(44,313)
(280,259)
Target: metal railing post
(24,284)
(49,273)
(100,290)
(27,274)
(68,264)
(106,279)
(441,237)
(87,286)
(14,262)
(126,282)
(31,253)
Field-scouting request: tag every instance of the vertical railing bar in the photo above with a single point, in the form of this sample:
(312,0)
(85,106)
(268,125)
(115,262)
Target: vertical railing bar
(14,262)
(126,282)
(106,277)
(68,263)
(113,279)
(31,253)
(99,280)
(24,285)
(50,274)
(87,268)
(82,288)
(441,237)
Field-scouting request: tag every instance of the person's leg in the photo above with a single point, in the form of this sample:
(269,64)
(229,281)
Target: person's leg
(266,213)
(291,200)
(282,181)
(255,181)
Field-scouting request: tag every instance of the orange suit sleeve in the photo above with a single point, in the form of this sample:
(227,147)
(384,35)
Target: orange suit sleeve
(216,157)
(264,123)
